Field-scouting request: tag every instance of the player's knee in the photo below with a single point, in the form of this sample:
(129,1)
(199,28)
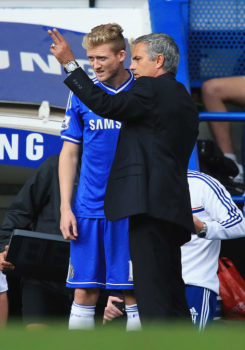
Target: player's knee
(86,296)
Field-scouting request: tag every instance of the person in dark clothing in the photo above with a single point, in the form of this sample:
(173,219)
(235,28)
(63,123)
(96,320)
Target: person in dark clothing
(37,207)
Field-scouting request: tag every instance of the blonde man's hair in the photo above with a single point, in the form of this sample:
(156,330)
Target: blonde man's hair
(110,33)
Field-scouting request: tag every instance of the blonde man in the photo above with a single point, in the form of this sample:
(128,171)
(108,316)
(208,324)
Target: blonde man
(99,248)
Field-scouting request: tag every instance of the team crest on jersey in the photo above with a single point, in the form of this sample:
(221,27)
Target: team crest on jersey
(65,122)
(71,271)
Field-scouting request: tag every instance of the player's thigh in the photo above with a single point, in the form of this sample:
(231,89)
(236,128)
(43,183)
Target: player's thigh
(118,261)
(87,257)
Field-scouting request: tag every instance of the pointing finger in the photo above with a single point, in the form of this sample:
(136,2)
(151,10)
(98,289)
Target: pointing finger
(58,35)
(53,36)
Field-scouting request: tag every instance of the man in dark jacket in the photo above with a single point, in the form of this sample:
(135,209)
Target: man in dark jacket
(37,207)
(148,179)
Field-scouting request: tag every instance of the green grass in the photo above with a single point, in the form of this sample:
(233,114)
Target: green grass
(113,336)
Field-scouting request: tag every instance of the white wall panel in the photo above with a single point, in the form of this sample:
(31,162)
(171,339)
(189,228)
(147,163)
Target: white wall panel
(135,21)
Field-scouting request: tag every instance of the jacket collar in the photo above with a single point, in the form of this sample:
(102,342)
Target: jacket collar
(169,76)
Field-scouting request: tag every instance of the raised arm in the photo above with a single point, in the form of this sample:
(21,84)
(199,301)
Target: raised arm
(132,104)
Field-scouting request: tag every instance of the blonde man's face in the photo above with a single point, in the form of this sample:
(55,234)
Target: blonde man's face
(105,62)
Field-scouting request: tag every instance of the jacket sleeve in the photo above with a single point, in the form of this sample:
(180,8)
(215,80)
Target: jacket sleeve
(24,209)
(4,239)
(227,220)
(131,104)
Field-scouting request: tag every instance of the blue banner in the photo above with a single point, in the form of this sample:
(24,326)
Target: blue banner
(27,148)
(28,71)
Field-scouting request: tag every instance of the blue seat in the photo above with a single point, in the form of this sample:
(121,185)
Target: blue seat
(216,39)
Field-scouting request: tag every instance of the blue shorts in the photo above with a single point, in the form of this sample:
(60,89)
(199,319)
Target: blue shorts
(202,305)
(100,256)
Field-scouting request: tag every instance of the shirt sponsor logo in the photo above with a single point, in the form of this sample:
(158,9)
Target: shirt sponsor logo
(100,124)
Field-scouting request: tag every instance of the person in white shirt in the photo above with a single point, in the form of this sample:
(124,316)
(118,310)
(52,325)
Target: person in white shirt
(216,217)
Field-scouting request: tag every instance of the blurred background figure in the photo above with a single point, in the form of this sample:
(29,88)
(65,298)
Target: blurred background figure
(37,208)
(3,300)
(216,93)
(216,217)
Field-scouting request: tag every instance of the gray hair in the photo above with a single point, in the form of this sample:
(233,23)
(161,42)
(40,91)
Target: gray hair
(159,43)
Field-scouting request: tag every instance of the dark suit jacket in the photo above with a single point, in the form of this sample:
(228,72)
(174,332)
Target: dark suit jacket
(37,205)
(159,130)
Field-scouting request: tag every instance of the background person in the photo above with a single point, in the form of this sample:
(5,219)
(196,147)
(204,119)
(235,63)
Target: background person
(215,94)
(37,207)
(148,180)
(216,218)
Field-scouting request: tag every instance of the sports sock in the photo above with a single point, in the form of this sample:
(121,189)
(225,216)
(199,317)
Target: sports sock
(133,319)
(232,156)
(82,316)
(239,177)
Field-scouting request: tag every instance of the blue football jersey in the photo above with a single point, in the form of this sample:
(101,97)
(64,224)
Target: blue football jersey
(99,137)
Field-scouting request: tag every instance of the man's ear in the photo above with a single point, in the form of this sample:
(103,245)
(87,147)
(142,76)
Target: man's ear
(122,55)
(160,61)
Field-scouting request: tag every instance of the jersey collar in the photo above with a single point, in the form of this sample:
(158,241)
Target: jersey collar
(121,87)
